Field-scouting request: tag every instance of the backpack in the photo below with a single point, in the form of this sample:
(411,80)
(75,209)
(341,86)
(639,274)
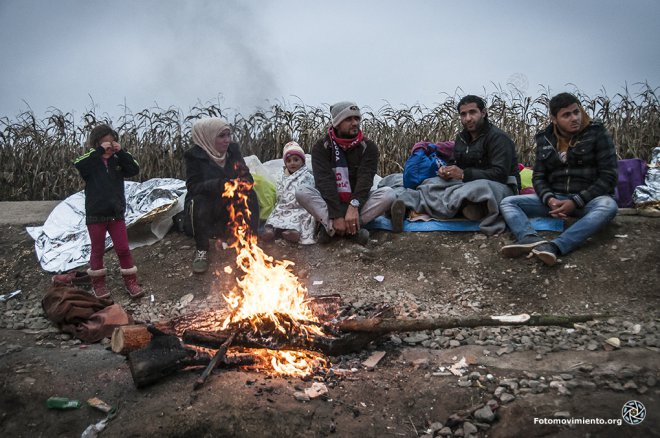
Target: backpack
(423,163)
(631,174)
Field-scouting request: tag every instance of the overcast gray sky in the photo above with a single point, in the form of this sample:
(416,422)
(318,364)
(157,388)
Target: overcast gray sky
(244,54)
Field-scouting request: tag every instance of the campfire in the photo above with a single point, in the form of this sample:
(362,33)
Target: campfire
(268,298)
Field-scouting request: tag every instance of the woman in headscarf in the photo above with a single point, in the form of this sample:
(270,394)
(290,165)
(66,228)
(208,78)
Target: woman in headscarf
(210,163)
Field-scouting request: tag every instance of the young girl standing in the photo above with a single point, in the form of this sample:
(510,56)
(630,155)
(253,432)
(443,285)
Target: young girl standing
(288,216)
(104,168)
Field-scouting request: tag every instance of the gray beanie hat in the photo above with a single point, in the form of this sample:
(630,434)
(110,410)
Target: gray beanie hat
(343,110)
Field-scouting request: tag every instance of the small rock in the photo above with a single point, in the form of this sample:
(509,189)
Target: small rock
(434,427)
(186,299)
(301,396)
(630,385)
(507,398)
(469,428)
(445,431)
(484,415)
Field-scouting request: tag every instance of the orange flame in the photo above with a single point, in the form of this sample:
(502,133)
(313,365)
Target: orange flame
(268,294)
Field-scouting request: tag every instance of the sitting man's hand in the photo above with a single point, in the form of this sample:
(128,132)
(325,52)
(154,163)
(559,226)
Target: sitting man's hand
(339,225)
(561,209)
(451,172)
(352,220)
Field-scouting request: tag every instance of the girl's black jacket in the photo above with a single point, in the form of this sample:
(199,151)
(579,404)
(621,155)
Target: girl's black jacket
(104,185)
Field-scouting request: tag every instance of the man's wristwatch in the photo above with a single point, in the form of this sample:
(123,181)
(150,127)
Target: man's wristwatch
(354,203)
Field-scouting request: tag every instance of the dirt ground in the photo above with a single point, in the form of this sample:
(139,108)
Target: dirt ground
(409,393)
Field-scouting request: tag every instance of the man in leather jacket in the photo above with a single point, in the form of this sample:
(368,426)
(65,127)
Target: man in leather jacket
(574,175)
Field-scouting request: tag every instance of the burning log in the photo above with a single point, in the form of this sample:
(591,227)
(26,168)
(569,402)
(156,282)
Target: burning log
(129,338)
(331,346)
(387,325)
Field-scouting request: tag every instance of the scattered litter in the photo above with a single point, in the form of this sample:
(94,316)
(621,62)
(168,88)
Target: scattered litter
(316,390)
(62,403)
(379,278)
(523,317)
(621,236)
(363,404)
(152,299)
(373,360)
(625,259)
(93,430)
(569,266)
(613,342)
(228,270)
(459,368)
(99,404)
(317,282)
(224,245)
(9,296)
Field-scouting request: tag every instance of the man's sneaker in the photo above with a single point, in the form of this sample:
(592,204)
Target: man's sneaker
(398,214)
(522,247)
(547,252)
(200,262)
(361,237)
(323,237)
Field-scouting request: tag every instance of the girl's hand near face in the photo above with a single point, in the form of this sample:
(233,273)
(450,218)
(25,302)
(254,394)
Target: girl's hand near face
(107,146)
(116,147)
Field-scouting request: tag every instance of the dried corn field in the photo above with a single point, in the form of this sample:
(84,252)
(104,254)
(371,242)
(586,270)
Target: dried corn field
(37,154)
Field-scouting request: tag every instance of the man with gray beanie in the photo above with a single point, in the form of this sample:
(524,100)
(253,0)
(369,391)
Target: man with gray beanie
(344,164)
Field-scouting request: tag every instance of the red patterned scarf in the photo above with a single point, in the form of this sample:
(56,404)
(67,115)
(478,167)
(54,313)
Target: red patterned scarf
(339,148)
(345,143)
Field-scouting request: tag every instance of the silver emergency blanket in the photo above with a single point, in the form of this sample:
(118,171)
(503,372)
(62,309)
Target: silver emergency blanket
(62,243)
(650,191)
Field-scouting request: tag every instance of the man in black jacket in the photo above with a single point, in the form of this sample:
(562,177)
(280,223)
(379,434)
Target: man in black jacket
(574,175)
(481,151)
(344,163)
(210,163)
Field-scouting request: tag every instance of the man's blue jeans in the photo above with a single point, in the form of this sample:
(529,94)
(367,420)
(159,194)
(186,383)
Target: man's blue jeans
(517,210)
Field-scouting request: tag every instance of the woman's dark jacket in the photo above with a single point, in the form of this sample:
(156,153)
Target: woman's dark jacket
(205,177)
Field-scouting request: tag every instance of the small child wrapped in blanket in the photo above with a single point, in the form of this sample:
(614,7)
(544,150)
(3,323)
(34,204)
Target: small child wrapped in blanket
(288,218)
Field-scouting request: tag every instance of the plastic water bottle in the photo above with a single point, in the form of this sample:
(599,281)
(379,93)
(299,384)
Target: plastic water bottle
(62,403)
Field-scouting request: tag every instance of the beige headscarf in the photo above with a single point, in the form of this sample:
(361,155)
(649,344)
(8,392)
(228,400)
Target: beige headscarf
(204,133)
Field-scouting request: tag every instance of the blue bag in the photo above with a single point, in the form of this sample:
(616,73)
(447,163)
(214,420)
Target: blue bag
(423,163)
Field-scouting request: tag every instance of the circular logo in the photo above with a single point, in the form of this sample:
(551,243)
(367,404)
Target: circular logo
(633,412)
(518,82)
